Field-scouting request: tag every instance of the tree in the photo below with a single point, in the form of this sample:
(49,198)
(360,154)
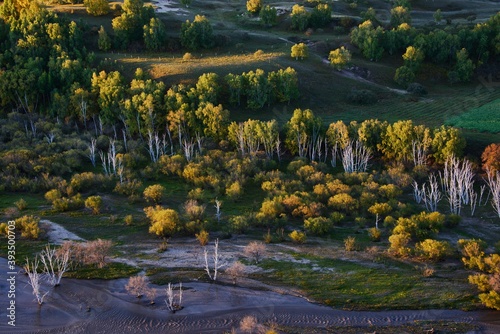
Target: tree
(255,250)
(491,157)
(404,76)
(214,119)
(413,57)
(97,7)
(284,84)
(447,142)
(154,193)
(109,89)
(400,14)
(268,15)
(154,34)
(321,15)
(464,67)
(94,203)
(197,34)
(257,88)
(254,6)
(300,17)
(299,50)
(164,222)
(438,17)
(104,41)
(302,131)
(340,58)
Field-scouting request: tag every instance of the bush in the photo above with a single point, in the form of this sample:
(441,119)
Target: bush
(94,203)
(350,244)
(297,237)
(362,96)
(137,285)
(234,191)
(255,250)
(433,250)
(203,237)
(28,225)
(399,244)
(452,220)
(318,225)
(154,193)
(375,234)
(416,89)
(128,219)
(21,204)
(164,222)
(239,224)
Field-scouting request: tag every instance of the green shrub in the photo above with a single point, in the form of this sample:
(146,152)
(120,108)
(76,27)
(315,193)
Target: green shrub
(452,220)
(297,237)
(21,204)
(433,250)
(239,224)
(318,225)
(362,96)
(336,217)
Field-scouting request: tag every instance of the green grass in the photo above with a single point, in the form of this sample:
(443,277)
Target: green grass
(485,118)
(351,285)
(112,270)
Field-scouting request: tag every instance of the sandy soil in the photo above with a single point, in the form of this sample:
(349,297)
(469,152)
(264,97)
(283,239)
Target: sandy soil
(97,306)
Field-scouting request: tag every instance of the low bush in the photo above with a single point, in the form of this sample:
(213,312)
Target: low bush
(362,96)
(318,225)
(297,237)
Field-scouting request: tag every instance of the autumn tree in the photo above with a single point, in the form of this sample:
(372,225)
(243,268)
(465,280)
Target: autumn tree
(303,130)
(491,157)
(413,57)
(254,6)
(400,14)
(299,50)
(340,58)
(300,17)
(164,222)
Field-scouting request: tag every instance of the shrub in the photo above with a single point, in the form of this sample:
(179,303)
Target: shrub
(164,222)
(193,210)
(187,56)
(452,220)
(137,285)
(297,237)
(154,193)
(236,270)
(97,251)
(203,237)
(239,224)
(416,89)
(318,225)
(3,228)
(28,225)
(362,96)
(94,203)
(128,188)
(128,219)
(375,234)
(21,204)
(350,244)
(234,190)
(53,195)
(433,250)
(255,250)
(399,244)
(336,217)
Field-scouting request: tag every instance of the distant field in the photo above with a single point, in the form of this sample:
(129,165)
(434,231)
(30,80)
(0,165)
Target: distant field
(485,118)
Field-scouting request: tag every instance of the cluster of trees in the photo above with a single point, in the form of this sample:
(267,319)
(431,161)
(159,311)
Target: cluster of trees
(459,48)
(319,17)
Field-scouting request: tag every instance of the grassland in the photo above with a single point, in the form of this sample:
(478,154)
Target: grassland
(483,119)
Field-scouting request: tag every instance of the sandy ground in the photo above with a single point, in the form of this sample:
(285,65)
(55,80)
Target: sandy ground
(98,306)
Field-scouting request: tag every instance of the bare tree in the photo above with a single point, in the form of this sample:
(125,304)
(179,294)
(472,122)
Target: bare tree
(55,264)
(35,280)
(236,270)
(50,137)
(255,250)
(218,213)
(493,181)
(104,162)
(92,148)
(83,109)
(217,261)
(419,152)
(431,194)
(170,301)
(355,157)
(188,148)
(137,285)
(457,181)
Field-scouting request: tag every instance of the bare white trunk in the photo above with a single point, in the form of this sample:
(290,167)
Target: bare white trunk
(355,157)
(35,280)
(55,264)
(493,180)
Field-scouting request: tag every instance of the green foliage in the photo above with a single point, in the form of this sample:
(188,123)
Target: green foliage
(300,129)
(197,34)
(464,67)
(421,226)
(433,250)
(254,6)
(234,191)
(97,7)
(268,15)
(104,41)
(483,118)
(164,222)
(404,76)
(154,193)
(154,34)
(362,96)
(94,203)
(297,237)
(299,51)
(340,58)
(239,224)
(318,225)
(399,15)
(21,204)
(321,15)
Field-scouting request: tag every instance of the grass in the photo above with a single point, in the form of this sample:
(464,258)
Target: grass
(112,270)
(354,286)
(485,118)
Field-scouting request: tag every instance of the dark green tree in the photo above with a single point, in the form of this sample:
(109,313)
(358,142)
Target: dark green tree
(197,34)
